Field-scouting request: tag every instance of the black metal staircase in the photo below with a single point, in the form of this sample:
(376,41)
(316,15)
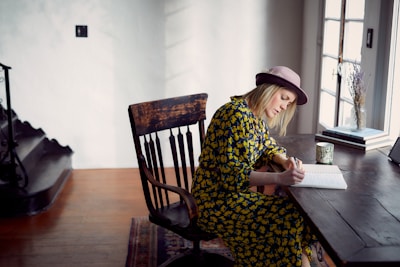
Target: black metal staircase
(33,168)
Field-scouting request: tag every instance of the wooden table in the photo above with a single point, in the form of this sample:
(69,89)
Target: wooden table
(359,226)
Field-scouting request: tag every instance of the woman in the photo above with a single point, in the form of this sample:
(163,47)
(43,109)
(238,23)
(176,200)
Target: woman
(260,230)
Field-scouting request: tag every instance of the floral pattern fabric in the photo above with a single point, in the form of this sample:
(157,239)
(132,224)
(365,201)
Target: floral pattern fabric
(260,230)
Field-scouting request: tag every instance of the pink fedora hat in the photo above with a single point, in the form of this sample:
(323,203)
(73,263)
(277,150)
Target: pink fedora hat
(285,77)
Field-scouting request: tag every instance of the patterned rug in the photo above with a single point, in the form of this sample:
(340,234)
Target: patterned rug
(150,245)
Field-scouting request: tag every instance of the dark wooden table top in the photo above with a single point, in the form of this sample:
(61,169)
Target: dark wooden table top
(359,226)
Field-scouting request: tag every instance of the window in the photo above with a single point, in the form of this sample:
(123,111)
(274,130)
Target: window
(343,35)
(357,32)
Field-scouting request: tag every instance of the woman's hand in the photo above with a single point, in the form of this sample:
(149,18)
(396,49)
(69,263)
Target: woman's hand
(291,176)
(292,162)
(294,173)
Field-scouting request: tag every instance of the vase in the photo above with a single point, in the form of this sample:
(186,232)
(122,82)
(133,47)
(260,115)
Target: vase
(359,118)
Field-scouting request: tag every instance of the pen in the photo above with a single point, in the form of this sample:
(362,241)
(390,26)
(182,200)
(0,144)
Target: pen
(296,161)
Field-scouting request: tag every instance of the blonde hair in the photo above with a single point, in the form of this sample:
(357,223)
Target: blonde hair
(259,98)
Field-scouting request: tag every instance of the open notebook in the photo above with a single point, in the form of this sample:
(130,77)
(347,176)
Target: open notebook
(322,176)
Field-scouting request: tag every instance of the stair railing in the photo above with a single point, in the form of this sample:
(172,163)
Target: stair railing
(10,161)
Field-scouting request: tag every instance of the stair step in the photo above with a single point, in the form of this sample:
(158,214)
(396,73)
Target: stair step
(29,149)
(44,164)
(33,147)
(4,118)
(33,169)
(45,181)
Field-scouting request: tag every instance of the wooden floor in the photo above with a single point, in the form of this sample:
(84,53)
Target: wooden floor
(88,225)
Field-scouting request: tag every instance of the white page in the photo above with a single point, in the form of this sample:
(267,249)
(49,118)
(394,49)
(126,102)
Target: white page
(322,176)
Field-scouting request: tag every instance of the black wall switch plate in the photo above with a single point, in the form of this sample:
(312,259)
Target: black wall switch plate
(81,31)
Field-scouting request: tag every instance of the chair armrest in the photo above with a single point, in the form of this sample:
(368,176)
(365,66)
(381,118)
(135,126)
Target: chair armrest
(187,198)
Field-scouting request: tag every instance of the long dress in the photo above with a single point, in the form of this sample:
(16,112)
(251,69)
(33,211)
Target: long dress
(259,229)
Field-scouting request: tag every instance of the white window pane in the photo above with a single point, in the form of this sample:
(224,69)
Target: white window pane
(329,74)
(346,81)
(327,110)
(345,116)
(332,9)
(353,37)
(331,37)
(355,9)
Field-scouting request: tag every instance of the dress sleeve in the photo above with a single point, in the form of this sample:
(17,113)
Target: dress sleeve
(235,141)
(238,147)
(272,149)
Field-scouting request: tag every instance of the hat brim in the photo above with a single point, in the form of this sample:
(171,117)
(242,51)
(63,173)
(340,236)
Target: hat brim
(273,79)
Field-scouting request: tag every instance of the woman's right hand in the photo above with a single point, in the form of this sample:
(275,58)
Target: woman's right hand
(291,176)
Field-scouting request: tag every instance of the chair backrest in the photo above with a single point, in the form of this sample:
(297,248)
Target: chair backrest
(155,124)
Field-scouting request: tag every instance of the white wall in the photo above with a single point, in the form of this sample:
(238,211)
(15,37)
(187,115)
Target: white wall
(311,52)
(78,89)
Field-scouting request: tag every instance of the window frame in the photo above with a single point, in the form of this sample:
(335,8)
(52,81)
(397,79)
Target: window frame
(387,118)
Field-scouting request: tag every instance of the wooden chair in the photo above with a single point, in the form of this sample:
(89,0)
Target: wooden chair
(166,126)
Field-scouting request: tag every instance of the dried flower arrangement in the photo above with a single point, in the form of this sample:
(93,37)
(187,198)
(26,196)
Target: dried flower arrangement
(358,92)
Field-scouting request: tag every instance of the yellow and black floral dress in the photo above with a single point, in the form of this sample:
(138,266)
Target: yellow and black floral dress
(260,230)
